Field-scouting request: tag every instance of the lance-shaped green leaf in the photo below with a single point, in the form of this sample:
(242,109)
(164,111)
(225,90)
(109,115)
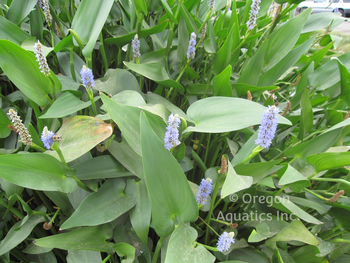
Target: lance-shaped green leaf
(20,231)
(222,114)
(156,72)
(89,20)
(221,83)
(306,117)
(37,171)
(84,256)
(103,206)
(4,129)
(79,135)
(234,182)
(242,89)
(19,10)
(296,231)
(282,40)
(12,32)
(316,145)
(344,83)
(65,105)
(181,249)
(293,179)
(296,210)
(128,120)
(27,77)
(84,238)
(224,54)
(125,39)
(169,191)
(328,161)
(140,215)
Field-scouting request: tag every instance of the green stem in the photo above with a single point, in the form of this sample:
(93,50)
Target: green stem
(54,217)
(91,96)
(106,259)
(208,247)
(81,185)
(199,161)
(12,209)
(53,87)
(103,52)
(213,197)
(156,252)
(37,115)
(339,240)
(71,65)
(332,180)
(319,196)
(38,148)
(60,155)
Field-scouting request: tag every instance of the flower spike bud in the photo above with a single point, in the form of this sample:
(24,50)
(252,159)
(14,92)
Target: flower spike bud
(204,191)
(87,78)
(223,168)
(172,134)
(253,14)
(40,57)
(225,241)
(46,138)
(20,128)
(136,47)
(268,127)
(46,8)
(191,52)
(211,5)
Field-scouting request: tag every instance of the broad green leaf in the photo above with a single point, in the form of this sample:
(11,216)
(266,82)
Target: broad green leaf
(169,191)
(221,83)
(100,167)
(296,231)
(272,75)
(4,121)
(140,215)
(127,119)
(256,170)
(324,247)
(344,83)
(242,89)
(127,157)
(89,20)
(181,249)
(329,161)
(316,145)
(222,114)
(84,238)
(251,72)
(20,231)
(84,256)
(169,11)
(37,171)
(140,6)
(246,150)
(153,98)
(328,74)
(61,200)
(65,105)
(125,250)
(283,39)
(306,118)
(191,25)
(130,97)
(79,135)
(156,72)
(19,10)
(223,56)
(321,20)
(234,182)
(115,81)
(33,249)
(247,256)
(28,78)
(11,32)
(296,210)
(28,44)
(36,23)
(10,190)
(120,41)
(295,180)
(48,257)
(103,206)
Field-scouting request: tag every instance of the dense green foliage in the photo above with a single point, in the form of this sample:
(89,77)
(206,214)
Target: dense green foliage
(107,190)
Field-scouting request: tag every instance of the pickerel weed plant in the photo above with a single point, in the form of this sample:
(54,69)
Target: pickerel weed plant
(172,131)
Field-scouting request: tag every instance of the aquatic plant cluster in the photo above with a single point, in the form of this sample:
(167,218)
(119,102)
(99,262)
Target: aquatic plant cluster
(172,131)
